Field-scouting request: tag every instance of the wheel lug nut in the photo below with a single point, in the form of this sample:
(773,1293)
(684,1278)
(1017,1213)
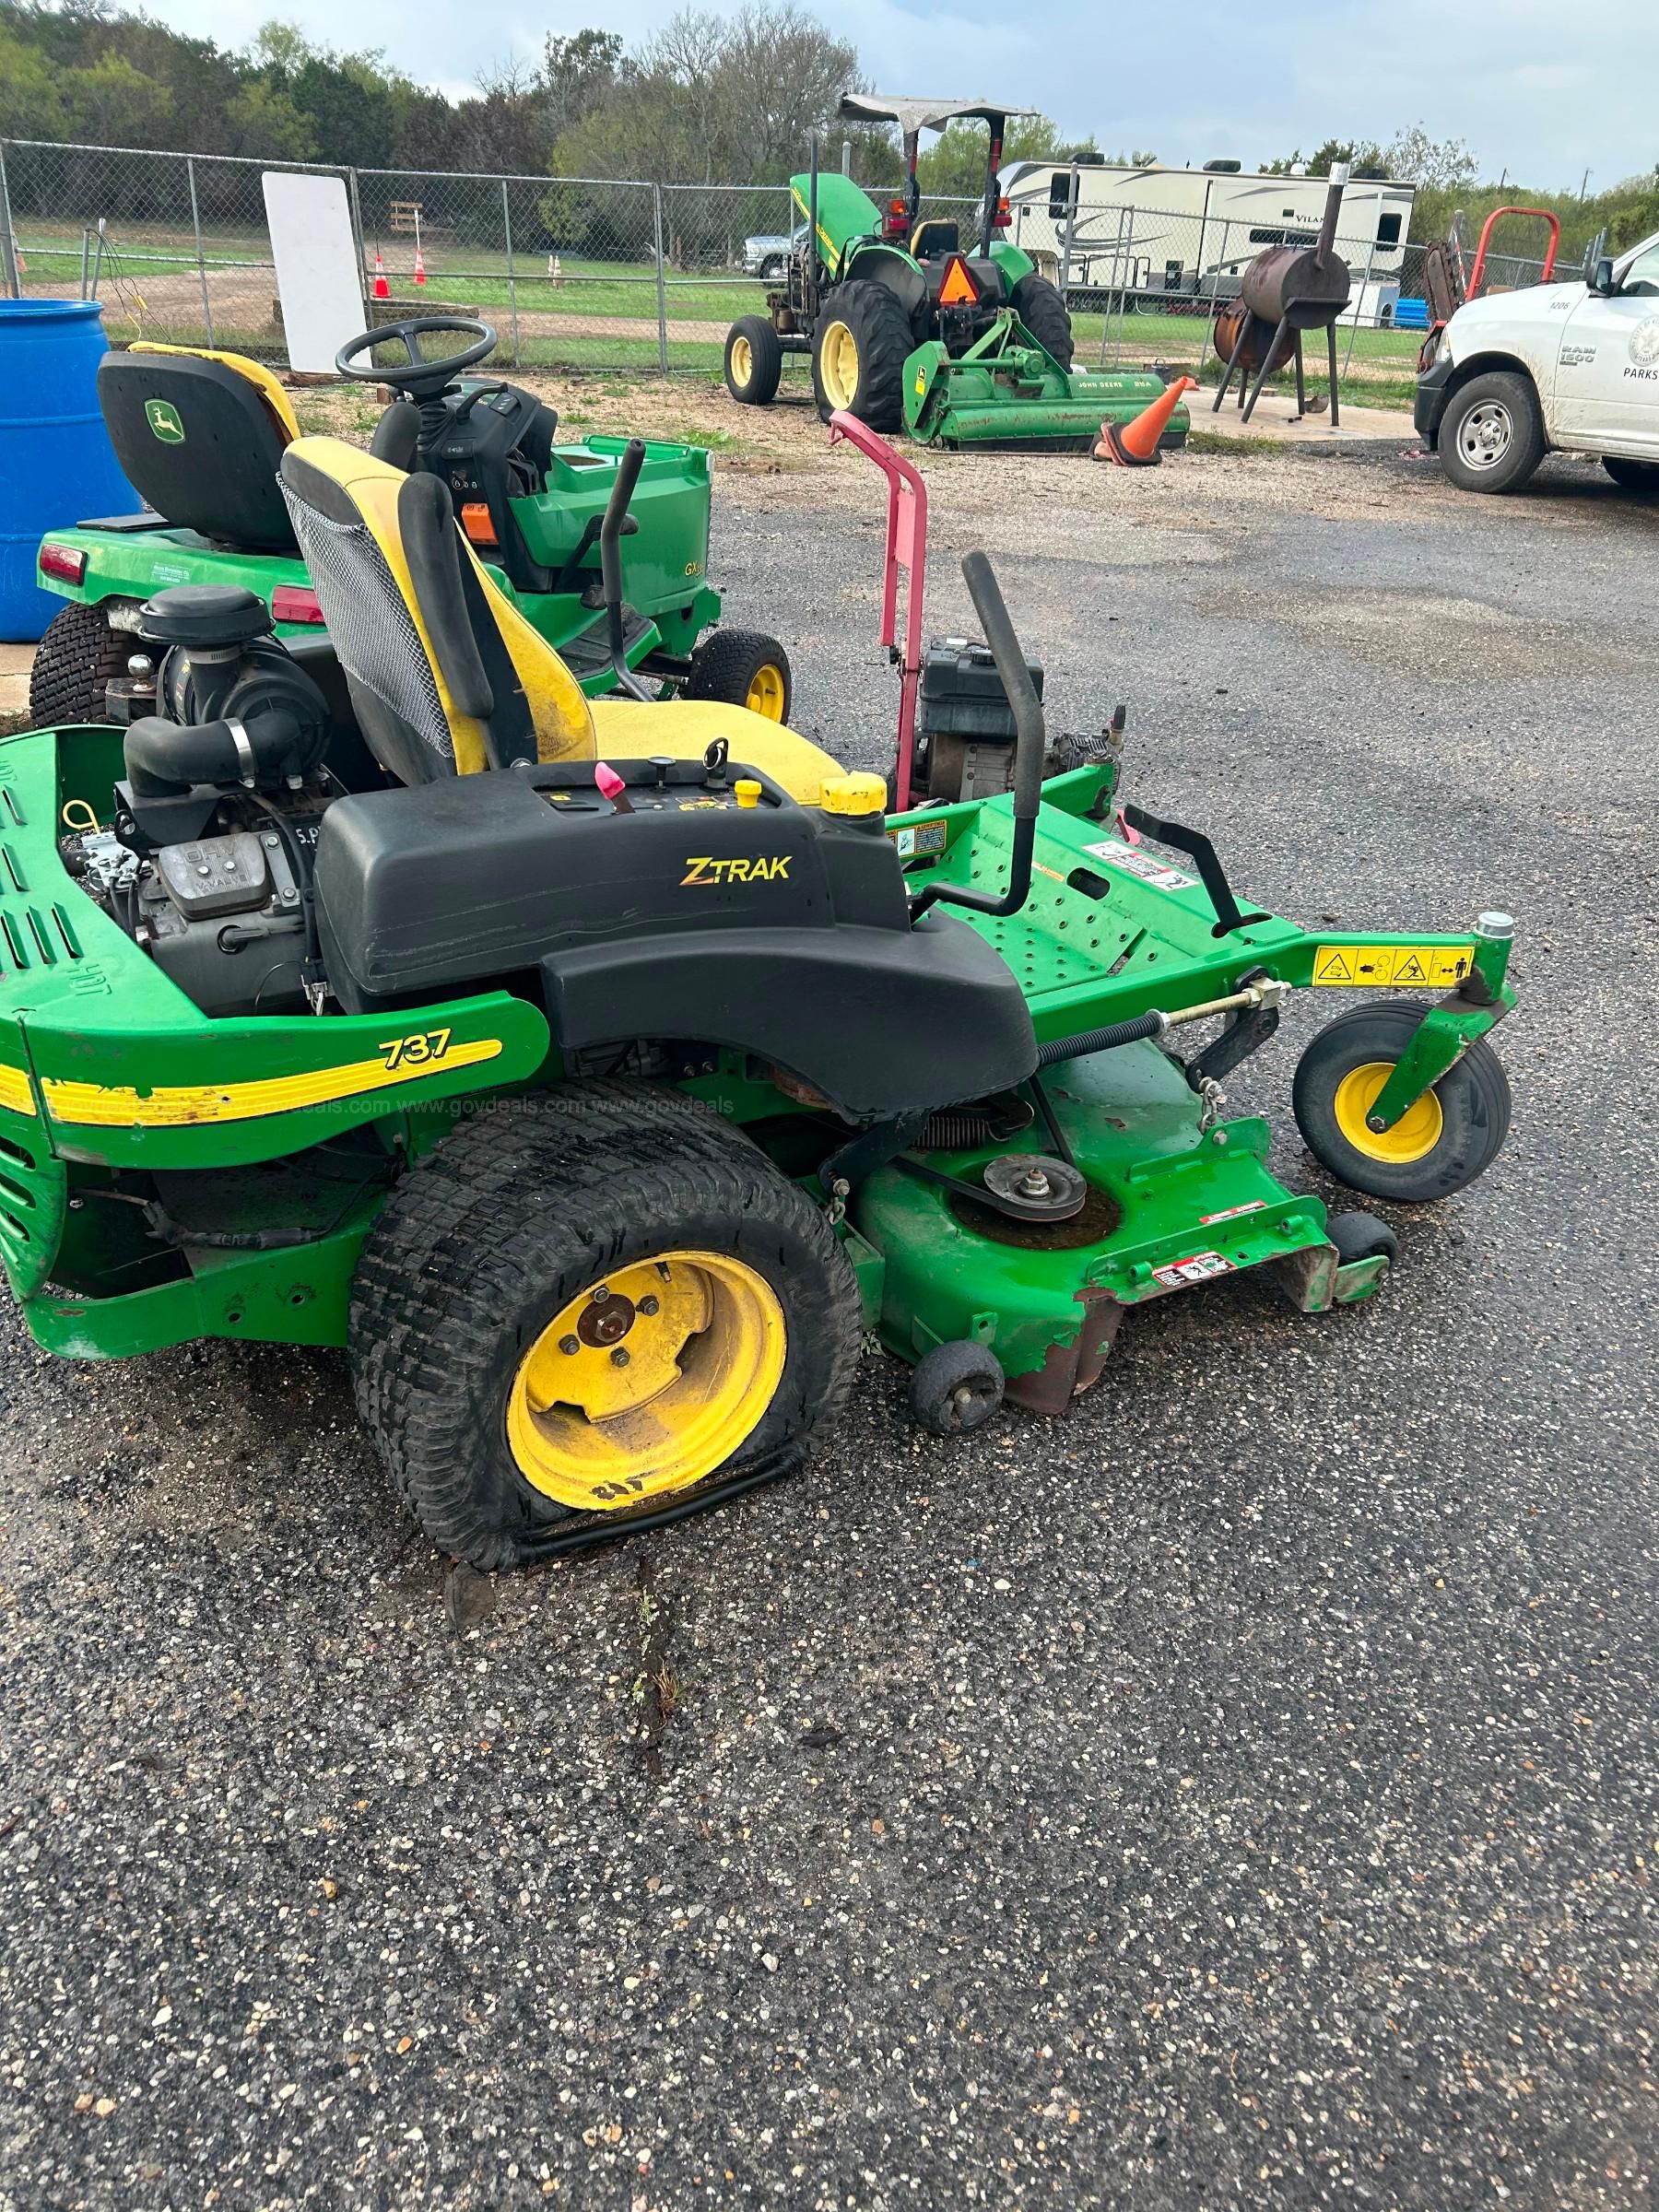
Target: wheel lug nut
(568,1346)
(648,1306)
(600,1293)
(620,1358)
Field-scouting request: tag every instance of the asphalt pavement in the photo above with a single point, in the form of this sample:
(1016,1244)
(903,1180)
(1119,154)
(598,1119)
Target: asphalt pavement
(1240,1794)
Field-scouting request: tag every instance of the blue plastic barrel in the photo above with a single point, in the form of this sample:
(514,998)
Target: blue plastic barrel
(57,465)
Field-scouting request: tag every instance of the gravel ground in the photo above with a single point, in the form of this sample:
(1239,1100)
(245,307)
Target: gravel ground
(1240,1794)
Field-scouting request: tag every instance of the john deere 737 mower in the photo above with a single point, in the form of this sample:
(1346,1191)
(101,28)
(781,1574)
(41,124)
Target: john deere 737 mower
(200,436)
(593,1072)
(912,328)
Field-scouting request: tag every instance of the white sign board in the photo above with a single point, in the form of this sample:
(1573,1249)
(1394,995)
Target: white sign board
(317,273)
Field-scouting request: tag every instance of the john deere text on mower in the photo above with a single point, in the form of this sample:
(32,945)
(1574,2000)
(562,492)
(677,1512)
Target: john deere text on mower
(201,435)
(909,328)
(595,1109)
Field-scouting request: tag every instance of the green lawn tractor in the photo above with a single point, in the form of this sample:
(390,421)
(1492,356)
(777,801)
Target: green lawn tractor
(201,435)
(594,1073)
(910,329)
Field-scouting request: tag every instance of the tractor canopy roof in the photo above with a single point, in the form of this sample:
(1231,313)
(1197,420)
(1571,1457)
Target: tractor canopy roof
(913,115)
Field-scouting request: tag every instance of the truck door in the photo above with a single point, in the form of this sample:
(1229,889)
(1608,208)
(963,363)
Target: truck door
(1606,376)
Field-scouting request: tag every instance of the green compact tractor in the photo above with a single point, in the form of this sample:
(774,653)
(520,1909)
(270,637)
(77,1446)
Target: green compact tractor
(596,1073)
(201,435)
(909,328)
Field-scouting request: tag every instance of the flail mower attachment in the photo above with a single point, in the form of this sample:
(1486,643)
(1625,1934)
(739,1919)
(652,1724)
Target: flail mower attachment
(1009,390)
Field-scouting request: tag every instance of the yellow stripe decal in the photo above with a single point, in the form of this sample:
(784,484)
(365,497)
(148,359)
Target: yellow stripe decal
(14,1093)
(401,1060)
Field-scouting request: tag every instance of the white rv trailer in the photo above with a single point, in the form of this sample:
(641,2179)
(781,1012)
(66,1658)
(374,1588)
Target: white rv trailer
(1172,236)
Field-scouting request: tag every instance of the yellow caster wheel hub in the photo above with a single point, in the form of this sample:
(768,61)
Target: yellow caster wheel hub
(648,1381)
(1413,1136)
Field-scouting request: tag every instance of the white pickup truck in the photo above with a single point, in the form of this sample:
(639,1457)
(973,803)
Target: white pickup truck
(1570,368)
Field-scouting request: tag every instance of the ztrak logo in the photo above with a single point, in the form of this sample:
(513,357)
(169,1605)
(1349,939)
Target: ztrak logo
(702,868)
(163,419)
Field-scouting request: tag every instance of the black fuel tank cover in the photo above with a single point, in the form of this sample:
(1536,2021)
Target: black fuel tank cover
(207,616)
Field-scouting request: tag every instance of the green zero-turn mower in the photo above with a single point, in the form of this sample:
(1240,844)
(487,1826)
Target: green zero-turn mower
(201,434)
(594,1073)
(910,329)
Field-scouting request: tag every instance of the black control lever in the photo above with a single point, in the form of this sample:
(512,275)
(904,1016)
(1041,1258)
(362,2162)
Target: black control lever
(1030,743)
(611,530)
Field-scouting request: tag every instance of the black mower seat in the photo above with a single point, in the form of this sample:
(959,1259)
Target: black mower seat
(200,436)
(936,236)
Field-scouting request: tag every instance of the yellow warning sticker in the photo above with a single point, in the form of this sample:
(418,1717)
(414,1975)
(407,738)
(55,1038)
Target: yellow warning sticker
(1423,967)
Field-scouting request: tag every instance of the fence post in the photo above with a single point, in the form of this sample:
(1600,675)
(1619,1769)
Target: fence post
(1071,232)
(511,280)
(357,231)
(1370,252)
(195,219)
(8,244)
(656,196)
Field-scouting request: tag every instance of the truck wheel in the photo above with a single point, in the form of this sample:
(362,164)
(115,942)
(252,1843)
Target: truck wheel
(859,350)
(1491,436)
(754,361)
(744,668)
(1632,475)
(78,656)
(1041,310)
(1450,1135)
(602,1300)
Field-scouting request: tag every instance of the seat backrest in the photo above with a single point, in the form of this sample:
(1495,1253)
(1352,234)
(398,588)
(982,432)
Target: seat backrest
(446,675)
(936,236)
(199,436)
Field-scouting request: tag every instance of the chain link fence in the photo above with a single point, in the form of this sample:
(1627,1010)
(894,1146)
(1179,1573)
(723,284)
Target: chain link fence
(604,274)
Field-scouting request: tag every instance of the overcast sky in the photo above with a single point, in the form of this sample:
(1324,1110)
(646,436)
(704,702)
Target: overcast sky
(1540,88)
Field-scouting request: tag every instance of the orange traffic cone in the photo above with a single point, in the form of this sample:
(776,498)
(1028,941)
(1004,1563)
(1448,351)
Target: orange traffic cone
(1135,445)
(383,290)
(419,267)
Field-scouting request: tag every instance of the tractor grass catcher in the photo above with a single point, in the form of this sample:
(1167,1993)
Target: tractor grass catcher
(595,1072)
(910,328)
(201,435)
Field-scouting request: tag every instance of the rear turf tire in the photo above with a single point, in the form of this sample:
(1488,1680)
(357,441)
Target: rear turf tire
(1633,476)
(1492,435)
(859,347)
(1040,307)
(77,658)
(484,1246)
(1442,1142)
(744,668)
(754,361)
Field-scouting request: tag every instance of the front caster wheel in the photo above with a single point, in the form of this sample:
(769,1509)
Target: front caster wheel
(1444,1140)
(956,1388)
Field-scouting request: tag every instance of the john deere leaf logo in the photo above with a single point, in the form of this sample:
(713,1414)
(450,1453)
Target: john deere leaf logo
(163,419)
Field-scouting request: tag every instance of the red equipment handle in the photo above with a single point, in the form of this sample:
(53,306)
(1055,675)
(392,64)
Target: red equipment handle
(906,550)
(1544,215)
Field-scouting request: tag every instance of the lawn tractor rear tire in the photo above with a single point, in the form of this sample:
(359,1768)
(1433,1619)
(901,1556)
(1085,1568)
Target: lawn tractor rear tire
(77,658)
(1633,476)
(1448,1137)
(744,668)
(1040,307)
(551,1218)
(754,361)
(859,347)
(1492,435)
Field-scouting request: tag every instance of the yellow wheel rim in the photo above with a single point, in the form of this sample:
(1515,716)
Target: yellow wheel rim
(766,692)
(743,361)
(702,1341)
(837,365)
(1413,1136)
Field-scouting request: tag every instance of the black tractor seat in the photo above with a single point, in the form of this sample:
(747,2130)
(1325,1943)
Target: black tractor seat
(200,437)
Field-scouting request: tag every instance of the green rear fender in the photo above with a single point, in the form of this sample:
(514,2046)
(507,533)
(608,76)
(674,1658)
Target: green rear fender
(1013,264)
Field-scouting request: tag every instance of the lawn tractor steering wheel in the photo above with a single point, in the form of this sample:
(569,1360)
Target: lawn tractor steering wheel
(420,379)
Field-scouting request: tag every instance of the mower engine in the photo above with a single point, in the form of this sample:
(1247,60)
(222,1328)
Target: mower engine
(965,732)
(209,865)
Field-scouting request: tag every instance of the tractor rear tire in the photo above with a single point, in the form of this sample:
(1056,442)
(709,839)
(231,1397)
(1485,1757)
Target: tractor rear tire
(754,361)
(859,349)
(77,658)
(744,668)
(624,1211)
(1041,310)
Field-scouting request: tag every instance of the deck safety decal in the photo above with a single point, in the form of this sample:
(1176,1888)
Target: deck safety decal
(1197,1269)
(118,1106)
(1156,872)
(1366,967)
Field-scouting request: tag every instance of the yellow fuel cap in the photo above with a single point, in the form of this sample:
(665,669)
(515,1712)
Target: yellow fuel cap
(860,792)
(746,792)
